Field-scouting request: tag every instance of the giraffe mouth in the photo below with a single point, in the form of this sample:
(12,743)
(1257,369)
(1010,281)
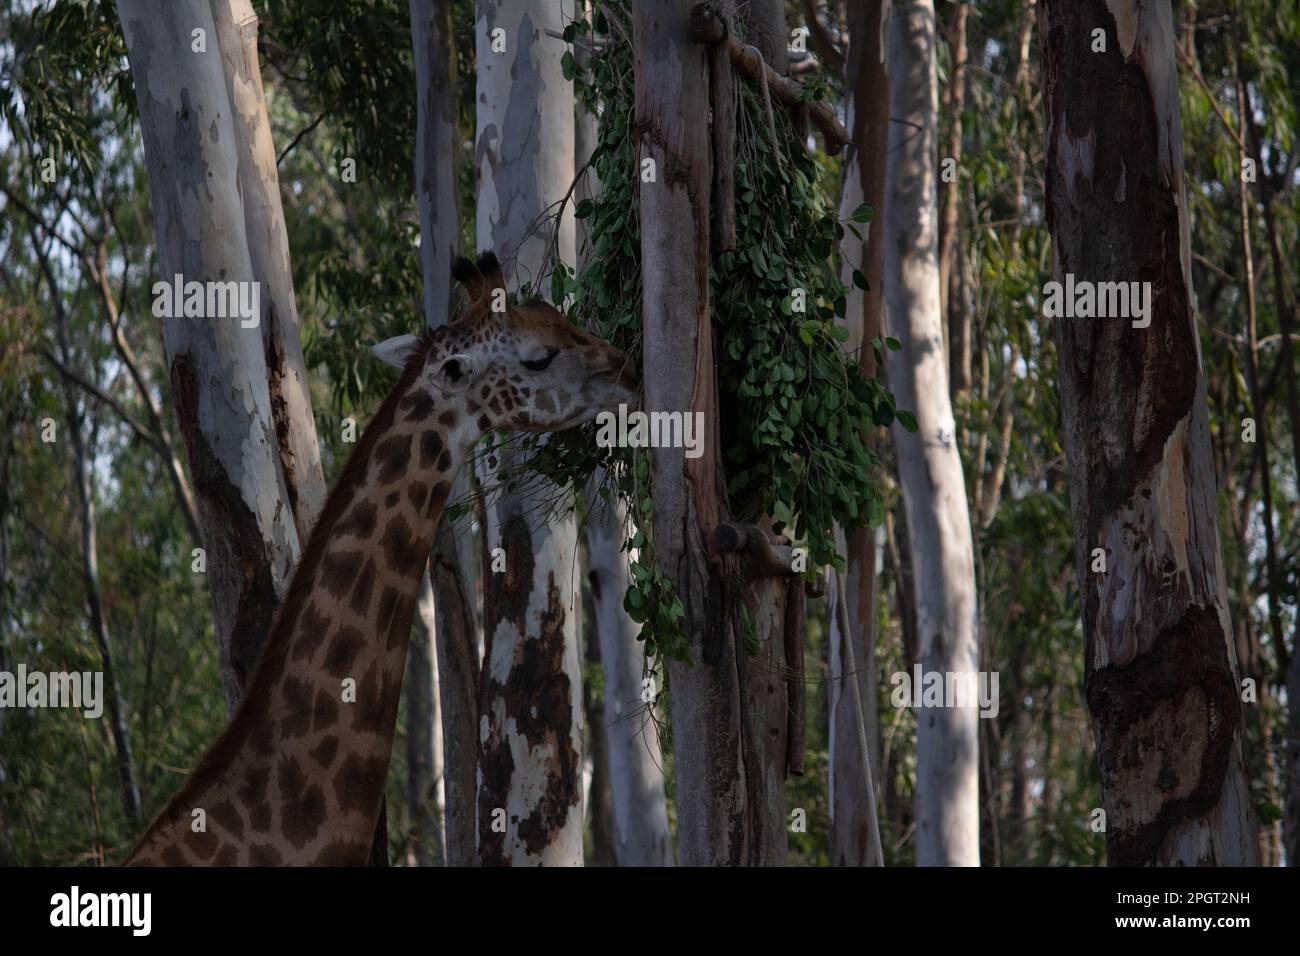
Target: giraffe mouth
(620,378)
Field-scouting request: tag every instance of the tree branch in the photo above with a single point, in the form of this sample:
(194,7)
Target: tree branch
(708,28)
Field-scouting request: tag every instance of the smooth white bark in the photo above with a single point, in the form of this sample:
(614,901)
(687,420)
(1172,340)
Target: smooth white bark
(218,368)
(930,472)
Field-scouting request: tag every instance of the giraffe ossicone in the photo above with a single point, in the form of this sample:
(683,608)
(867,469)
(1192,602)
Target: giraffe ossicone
(297,776)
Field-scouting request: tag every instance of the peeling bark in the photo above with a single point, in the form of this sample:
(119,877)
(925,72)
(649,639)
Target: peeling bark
(423,738)
(268,248)
(1160,667)
(530,703)
(218,369)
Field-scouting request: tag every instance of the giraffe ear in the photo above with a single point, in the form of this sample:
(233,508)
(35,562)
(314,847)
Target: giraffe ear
(396,351)
(455,373)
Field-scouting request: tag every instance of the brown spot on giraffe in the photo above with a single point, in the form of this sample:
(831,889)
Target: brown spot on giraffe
(325,711)
(417,493)
(263,854)
(302,806)
(397,543)
(362,589)
(202,843)
(338,571)
(326,751)
(343,651)
(228,855)
(360,520)
(393,456)
(311,633)
(418,406)
(297,716)
(430,448)
(358,783)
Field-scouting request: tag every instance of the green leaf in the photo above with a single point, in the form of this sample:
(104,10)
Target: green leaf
(907,420)
(864,213)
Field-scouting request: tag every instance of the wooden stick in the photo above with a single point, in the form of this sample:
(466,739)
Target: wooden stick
(765,559)
(709,28)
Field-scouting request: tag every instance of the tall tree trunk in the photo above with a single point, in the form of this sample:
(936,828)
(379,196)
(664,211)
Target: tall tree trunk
(82,478)
(268,248)
(641,835)
(423,738)
(866,84)
(530,703)
(930,472)
(956,316)
(729,709)
(672,93)
(765,687)
(218,368)
(598,795)
(1160,668)
(452,566)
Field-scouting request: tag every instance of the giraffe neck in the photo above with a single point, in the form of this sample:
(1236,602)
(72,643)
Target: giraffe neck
(298,774)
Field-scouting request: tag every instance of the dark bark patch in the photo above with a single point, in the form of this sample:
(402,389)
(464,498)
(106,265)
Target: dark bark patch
(511,588)
(537,697)
(241,549)
(1186,667)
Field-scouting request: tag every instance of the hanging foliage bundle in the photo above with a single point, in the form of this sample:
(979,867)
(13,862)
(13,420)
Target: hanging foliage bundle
(793,404)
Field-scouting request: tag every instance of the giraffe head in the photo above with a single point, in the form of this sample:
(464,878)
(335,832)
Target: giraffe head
(518,367)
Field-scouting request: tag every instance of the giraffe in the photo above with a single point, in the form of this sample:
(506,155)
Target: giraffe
(297,776)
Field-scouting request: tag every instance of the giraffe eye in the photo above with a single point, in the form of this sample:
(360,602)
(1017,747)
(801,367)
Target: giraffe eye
(540,364)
